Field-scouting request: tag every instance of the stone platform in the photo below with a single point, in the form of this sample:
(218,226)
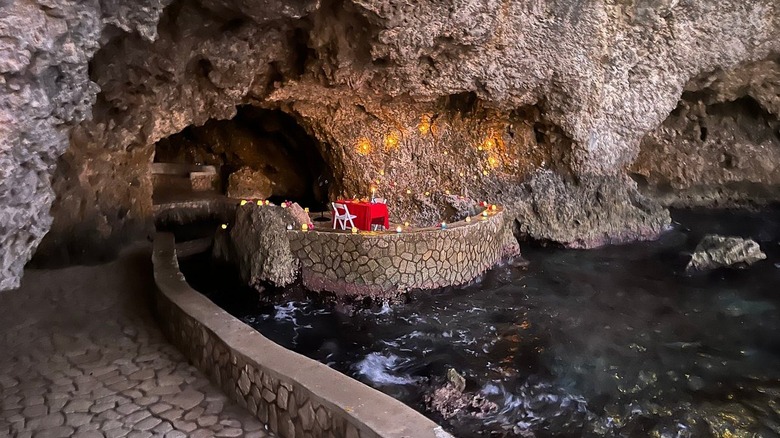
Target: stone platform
(82,356)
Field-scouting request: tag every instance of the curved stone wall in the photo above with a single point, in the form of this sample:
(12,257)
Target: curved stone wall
(293,395)
(386,263)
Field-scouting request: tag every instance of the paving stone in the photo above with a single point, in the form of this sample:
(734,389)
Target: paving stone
(147,424)
(35,411)
(77,406)
(139,434)
(128,408)
(55,432)
(159,407)
(175,434)
(77,419)
(207,420)
(185,426)
(187,399)
(88,434)
(143,374)
(172,414)
(116,433)
(136,417)
(230,432)
(194,414)
(162,428)
(46,422)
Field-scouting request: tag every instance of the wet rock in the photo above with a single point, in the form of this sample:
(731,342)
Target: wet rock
(724,251)
(249,183)
(450,399)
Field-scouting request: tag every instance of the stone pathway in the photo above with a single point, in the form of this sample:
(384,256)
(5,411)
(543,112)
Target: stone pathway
(81,356)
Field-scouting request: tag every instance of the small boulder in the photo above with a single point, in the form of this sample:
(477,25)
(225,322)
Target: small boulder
(450,399)
(724,251)
(249,183)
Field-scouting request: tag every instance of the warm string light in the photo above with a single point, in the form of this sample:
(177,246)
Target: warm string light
(243,202)
(354,230)
(364,146)
(468,218)
(391,141)
(304,227)
(398,229)
(424,126)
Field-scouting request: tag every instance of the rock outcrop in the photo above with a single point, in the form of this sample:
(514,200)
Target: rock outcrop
(248,183)
(478,96)
(259,246)
(724,251)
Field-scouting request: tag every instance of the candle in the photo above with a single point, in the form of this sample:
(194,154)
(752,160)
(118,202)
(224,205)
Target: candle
(243,202)
(289,227)
(354,230)
(305,227)
(259,202)
(306,209)
(493,207)
(284,204)
(224,226)
(468,218)
(398,229)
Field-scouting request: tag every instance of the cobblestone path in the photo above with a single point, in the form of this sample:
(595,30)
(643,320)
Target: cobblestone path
(80,355)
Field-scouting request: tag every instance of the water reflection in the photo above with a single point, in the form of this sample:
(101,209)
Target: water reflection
(612,342)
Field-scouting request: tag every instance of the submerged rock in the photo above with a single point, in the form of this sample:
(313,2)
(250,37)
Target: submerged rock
(724,251)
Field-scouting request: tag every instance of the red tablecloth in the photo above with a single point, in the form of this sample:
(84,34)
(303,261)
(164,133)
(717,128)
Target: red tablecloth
(367,213)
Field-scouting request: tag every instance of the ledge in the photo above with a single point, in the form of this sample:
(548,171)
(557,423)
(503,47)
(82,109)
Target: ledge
(292,394)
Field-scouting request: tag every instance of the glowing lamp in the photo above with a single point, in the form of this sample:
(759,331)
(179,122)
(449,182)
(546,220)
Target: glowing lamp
(289,227)
(484,213)
(259,203)
(363,146)
(468,218)
(224,226)
(243,202)
(354,230)
(493,207)
(485,172)
(305,227)
(391,141)
(427,193)
(408,192)
(306,209)
(425,124)
(398,229)
(443,225)
(406,224)
(284,204)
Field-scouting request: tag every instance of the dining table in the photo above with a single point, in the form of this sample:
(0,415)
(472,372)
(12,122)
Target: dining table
(368,213)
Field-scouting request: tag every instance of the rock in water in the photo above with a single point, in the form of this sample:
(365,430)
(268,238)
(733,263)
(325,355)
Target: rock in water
(722,251)
(458,381)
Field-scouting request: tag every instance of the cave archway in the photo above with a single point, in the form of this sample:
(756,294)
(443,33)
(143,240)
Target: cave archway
(259,153)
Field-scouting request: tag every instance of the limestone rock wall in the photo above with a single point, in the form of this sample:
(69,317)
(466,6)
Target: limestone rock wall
(721,145)
(45,89)
(570,86)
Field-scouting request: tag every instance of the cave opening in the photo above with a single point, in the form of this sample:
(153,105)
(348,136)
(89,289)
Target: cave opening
(258,154)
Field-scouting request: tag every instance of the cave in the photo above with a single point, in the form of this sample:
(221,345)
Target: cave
(641,128)
(258,154)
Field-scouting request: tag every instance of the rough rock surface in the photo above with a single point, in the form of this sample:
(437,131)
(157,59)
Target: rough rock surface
(505,88)
(45,89)
(724,251)
(260,247)
(592,212)
(721,145)
(248,183)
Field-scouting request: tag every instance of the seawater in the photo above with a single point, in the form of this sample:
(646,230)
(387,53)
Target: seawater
(617,341)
